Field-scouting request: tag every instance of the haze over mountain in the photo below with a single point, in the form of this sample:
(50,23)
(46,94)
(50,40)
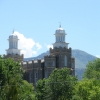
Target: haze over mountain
(81,60)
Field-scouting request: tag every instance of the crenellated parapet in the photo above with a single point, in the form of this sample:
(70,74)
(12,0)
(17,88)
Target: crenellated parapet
(60,50)
(31,64)
(49,56)
(16,57)
(50,61)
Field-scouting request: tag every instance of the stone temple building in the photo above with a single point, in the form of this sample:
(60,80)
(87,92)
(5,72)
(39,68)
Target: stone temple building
(60,56)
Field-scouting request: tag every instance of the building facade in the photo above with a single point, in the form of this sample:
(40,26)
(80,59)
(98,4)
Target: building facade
(60,56)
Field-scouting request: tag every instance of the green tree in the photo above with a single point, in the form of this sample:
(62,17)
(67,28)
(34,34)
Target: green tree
(12,85)
(88,89)
(41,89)
(59,85)
(92,70)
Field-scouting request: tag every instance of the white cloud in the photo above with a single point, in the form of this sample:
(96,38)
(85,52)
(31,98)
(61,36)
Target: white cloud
(98,56)
(27,45)
(49,46)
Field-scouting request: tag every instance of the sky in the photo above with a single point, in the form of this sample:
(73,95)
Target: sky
(35,22)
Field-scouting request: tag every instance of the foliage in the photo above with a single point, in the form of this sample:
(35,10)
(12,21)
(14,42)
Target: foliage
(12,85)
(89,87)
(93,70)
(87,90)
(59,86)
(41,89)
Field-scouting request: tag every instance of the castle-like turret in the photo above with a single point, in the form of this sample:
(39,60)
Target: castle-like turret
(60,38)
(61,51)
(13,44)
(13,51)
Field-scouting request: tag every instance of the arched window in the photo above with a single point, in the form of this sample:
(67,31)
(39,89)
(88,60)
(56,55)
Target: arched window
(30,77)
(59,38)
(11,45)
(45,63)
(53,63)
(46,73)
(14,44)
(65,60)
(63,38)
(36,76)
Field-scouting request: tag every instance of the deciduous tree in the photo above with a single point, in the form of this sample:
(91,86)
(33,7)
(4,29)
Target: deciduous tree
(88,89)
(59,85)
(93,69)
(12,85)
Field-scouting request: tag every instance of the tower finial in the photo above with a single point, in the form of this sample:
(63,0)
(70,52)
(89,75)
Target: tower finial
(13,31)
(60,25)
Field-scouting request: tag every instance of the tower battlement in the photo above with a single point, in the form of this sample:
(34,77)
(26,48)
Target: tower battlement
(49,56)
(60,49)
(16,57)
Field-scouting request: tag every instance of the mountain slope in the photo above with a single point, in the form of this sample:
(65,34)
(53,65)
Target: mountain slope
(81,58)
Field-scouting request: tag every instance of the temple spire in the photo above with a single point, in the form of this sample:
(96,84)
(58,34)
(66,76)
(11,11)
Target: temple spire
(60,25)
(13,31)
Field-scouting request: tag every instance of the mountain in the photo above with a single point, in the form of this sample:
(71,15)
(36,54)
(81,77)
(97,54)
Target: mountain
(81,60)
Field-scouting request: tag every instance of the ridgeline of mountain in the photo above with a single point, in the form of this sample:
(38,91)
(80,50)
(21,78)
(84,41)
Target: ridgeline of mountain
(81,60)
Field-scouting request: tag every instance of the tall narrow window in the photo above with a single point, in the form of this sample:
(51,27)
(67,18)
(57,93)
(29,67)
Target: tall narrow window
(63,38)
(30,77)
(53,63)
(45,63)
(14,44)
(65,60)
(59,38)
(9,44)
(46,73)
(36,75)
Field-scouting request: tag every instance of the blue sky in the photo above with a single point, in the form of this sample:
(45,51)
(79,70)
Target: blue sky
(37,21)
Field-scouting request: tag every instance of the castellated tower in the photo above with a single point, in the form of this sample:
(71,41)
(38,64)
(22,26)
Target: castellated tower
(13,51)
(61,52)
